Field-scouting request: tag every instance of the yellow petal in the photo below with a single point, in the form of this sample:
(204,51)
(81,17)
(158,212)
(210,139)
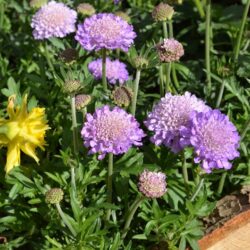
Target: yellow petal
(29,150)
(13,156)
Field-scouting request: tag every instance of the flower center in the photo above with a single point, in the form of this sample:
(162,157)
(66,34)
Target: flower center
(54,19)
(110,128)
(105,28)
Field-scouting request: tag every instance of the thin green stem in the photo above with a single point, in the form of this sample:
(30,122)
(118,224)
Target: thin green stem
(2,9)
(222,87)
(165,29)
(208,44)
(161,81)
(247,127)
(222,182)
(75,144)
(131,214)
(168,70)
(198,188)
(104,79)
(170,28)
(84,112)
(200,8)
(175,78)
(239,36)
(135,94)
(184,170)
(65,220)
(109,183)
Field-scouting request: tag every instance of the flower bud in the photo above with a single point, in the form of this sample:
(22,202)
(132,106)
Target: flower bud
(71,86)
(54,196)
(37,3)
(86,9)
(122,96)
(140,62)
(123,15)
(68,55)
(82,101)
(152,184)
(170,50)
(162,12)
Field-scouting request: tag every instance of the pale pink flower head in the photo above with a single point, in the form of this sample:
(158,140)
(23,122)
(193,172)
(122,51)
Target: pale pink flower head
(53,20)
(152,184)
(170,50)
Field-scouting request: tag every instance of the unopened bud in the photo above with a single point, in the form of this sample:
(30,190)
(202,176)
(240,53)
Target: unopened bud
(71,86)
(69,55)
(122,96)
(140,62)
(86,9)
(82,101)
(162,12)
(54,196)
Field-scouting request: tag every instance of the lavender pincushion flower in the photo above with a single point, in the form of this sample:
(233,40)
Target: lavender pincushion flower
(169,115)
(152,184)
(105,30)
(53,20)
(170,50)
(111,131)
(215,139)
(115,70)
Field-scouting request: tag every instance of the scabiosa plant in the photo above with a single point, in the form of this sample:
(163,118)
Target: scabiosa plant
(86,9)
(116,70)
(105,31)
(162,12)
(170,50)
(152,184)
(53,20)
(169,116)
(215,139)
(111,131)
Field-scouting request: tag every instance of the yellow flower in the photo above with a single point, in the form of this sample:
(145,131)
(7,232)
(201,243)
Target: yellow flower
(23,131)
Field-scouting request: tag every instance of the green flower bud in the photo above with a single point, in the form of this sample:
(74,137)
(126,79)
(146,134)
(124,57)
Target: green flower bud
(54,196)
(162,12)
(140,62)
(123,15)
(71,86)
(37,3)
(86,9)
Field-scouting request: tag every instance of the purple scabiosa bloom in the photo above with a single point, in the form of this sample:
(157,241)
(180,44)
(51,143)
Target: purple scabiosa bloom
(105,30)
(169,115)
(152,184)
(215,139)
(116,71)
(170,50)
(111,131)
(116,1)
(53,20)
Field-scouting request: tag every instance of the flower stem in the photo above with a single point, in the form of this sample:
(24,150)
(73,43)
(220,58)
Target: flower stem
(184,170)
(239,36)
(245,130)
(75,146)
(200,185)
(109,183)
(168,70)
(84,112)
(207,45)
(161,81)
(218,102)
(165,29)
(104,79)
(200,8)
(170,28)
(131,214)
(222,182)
(65,219)
(136,87)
